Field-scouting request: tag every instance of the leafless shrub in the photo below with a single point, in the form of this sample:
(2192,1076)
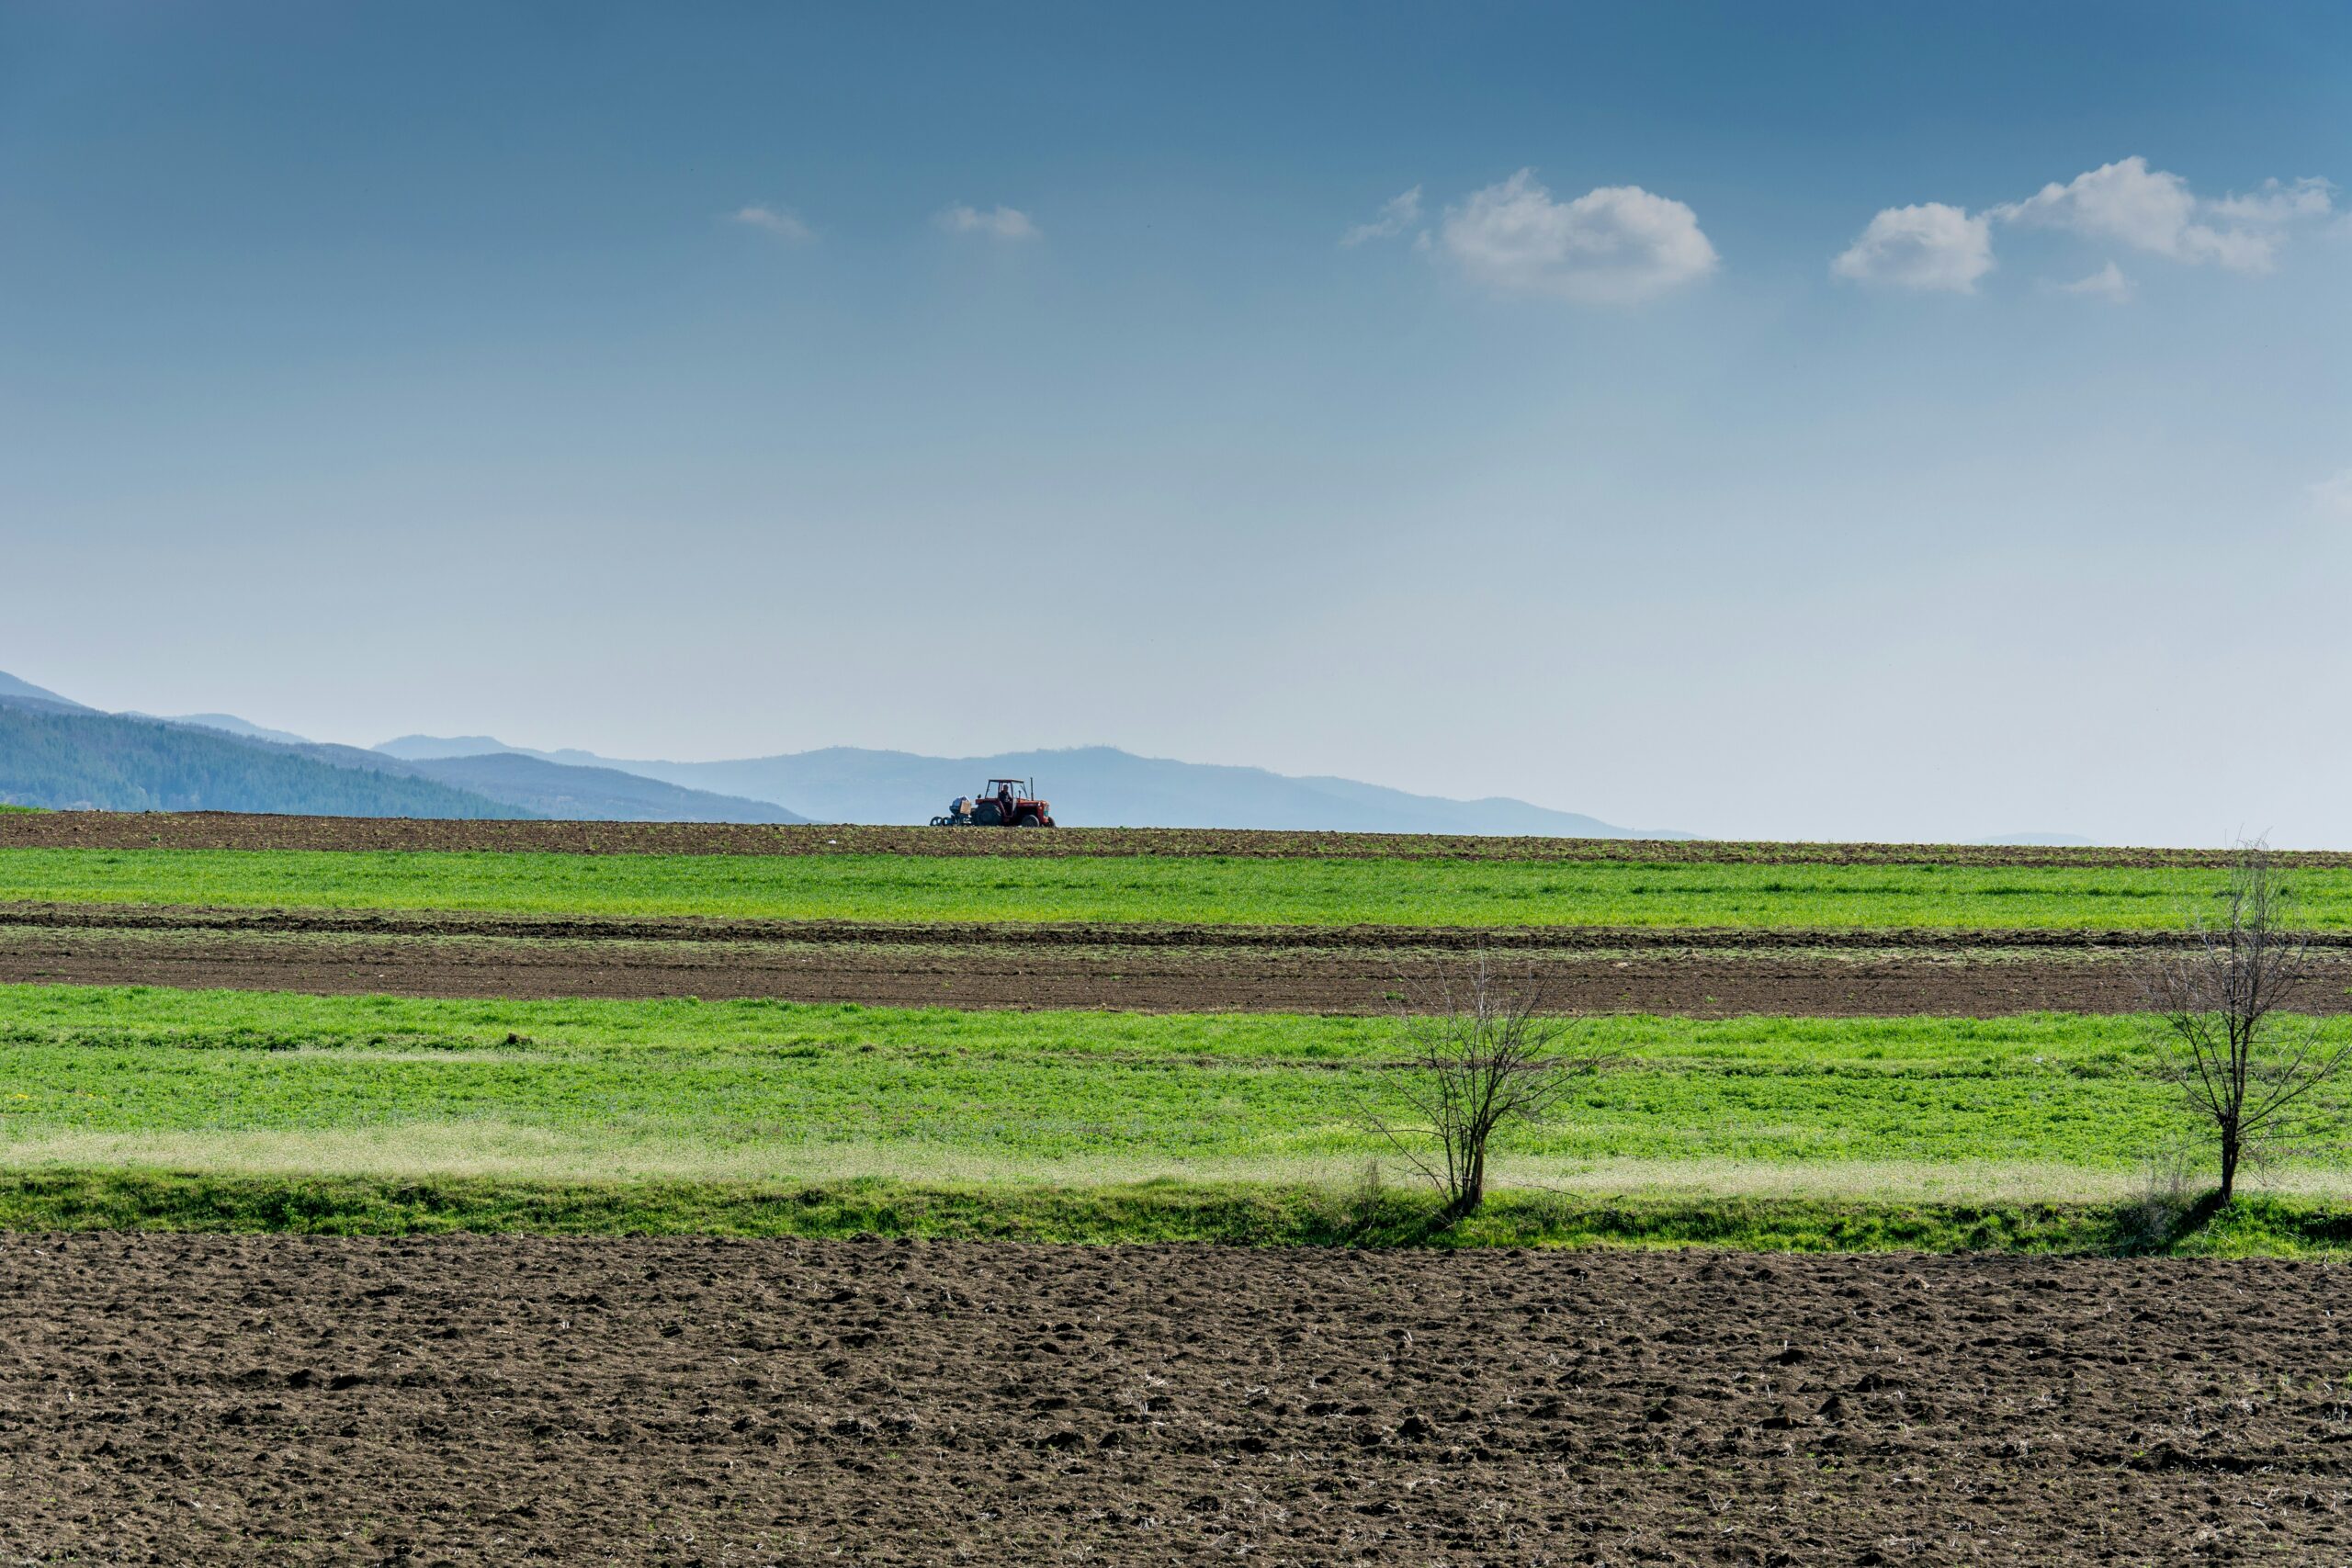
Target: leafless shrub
(1486,1056)
(2247,1065)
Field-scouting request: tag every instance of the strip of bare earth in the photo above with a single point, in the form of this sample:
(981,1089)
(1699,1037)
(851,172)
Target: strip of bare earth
(237,830)
(1167,969)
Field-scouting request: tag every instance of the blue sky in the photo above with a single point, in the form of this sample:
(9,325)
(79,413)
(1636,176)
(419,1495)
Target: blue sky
(1858,421)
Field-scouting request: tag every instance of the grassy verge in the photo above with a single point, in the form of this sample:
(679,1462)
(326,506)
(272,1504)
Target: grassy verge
(2033,1108)
(2046,1105)
(1208,890)
(1244,1215)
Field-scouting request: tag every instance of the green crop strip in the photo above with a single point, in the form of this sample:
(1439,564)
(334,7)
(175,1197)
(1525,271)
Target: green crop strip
(2042,1106)
(1207,890)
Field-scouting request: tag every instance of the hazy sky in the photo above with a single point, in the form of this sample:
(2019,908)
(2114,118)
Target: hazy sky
(1849,421)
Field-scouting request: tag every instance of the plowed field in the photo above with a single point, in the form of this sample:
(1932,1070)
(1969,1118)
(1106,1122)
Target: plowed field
(250,1400)
(1195,969)
(490,1400)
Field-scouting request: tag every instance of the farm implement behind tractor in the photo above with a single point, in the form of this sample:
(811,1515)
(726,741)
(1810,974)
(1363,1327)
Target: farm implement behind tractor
(1006,803)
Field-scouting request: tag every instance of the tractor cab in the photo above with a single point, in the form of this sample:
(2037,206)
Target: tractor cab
(1005,803)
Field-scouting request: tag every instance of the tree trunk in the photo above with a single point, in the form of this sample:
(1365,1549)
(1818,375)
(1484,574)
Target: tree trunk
(1474,1186)
(2229,1162)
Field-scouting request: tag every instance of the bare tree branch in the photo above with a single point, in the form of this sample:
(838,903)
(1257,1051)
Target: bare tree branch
(2232,1040)
(1487,1056)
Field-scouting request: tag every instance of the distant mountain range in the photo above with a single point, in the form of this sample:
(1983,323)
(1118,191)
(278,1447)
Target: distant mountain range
(53,753)
(558,790)
(1090,786)
(57,752)
(26,691)
(230,723)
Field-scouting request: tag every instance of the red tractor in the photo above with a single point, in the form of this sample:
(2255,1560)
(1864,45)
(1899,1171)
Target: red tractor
(1006,803)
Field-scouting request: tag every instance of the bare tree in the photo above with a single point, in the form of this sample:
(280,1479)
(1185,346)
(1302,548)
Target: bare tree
(1486,1057)
(2245,1061)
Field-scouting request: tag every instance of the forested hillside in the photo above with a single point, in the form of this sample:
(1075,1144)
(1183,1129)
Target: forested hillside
(49,756)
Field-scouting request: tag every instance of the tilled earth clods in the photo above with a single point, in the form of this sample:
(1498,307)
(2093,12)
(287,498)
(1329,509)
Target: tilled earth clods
(237,830)
(271,1399)
(1359,969)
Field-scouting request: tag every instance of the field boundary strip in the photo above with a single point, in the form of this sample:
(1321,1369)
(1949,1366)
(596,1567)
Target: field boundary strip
(237,830)
(1088,933)
(1250,1215)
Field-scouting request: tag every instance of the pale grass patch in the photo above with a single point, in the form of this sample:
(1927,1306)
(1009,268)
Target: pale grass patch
(514,1152)
(1988,1182)
(1973,1181)
(510,1151)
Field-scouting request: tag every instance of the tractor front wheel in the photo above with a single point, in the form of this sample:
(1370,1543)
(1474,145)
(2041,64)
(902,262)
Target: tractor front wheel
(1026,819)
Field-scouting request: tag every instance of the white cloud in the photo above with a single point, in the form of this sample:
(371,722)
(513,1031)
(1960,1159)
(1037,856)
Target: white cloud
(997,223)
(2155,210)
(2279,203)
(1397,214)
(2126,202)
(2333,495)
(2108,283)
(781,221)
(1927,246)
(1613,246)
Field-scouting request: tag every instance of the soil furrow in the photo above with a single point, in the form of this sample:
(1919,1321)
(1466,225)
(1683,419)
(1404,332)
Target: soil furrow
(233,830)
(1096,934)
(477,1400)
(1010,973)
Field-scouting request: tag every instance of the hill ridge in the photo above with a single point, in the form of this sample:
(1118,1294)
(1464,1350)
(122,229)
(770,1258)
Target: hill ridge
(1095,786)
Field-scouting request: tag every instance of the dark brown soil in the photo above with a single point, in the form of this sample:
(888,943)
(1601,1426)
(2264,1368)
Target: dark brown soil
(231,831)
(465,1400)
(1075,933)
(1204,969)
(1145,981)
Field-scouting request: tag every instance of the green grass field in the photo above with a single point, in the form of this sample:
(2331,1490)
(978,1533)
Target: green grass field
(2039,1108)
(1177,890)
(236,1110)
